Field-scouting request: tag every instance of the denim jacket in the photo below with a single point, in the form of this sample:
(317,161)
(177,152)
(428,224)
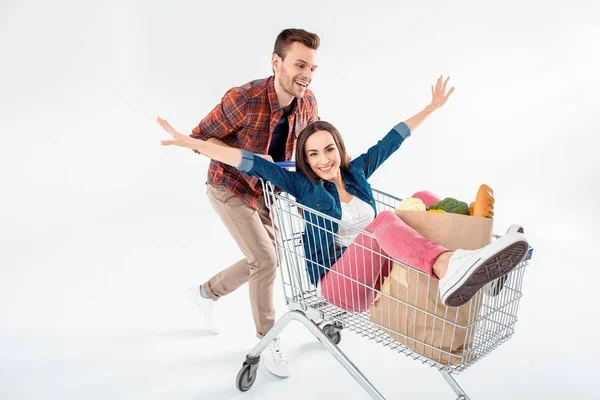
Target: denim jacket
(324,197)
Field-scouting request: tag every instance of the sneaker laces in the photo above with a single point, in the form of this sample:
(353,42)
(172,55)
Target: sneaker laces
(213,313)
(276,351)
(209,309)
(460,254)
(213,309)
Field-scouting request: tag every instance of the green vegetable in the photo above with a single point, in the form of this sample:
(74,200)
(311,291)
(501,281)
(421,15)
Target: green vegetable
(451,205)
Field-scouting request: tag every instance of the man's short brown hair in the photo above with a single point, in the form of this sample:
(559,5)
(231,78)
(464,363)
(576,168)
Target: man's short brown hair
(289,36)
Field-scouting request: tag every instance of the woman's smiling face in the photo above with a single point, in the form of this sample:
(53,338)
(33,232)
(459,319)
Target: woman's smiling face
(323,155)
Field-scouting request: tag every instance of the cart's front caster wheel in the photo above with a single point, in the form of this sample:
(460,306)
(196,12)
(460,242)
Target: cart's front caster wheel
(246,377)
(461,397)
(333,333)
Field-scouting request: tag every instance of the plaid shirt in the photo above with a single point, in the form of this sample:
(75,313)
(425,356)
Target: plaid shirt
(245,119)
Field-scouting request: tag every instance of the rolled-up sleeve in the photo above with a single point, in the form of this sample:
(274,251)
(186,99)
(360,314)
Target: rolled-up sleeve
(247,161)
(403,130)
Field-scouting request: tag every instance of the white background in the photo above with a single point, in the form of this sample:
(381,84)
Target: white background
(102,229)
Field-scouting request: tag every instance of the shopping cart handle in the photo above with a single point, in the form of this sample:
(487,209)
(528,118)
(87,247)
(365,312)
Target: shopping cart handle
(286,164)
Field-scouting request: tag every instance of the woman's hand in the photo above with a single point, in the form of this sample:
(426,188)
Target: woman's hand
(225,154)
(179,139)
(438,93)
(438,99)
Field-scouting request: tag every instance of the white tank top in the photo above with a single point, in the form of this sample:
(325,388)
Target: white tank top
(358,214)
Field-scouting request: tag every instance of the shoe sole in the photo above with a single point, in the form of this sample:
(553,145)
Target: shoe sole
(493,268)
(283,376)
(495,287)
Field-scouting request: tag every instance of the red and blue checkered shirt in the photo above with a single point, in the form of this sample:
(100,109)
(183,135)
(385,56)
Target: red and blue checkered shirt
(245,119)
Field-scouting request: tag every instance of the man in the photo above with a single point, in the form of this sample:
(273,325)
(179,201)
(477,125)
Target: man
(264,117)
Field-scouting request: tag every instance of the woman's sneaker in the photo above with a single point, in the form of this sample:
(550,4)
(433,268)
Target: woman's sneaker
(494,288)
(470,270)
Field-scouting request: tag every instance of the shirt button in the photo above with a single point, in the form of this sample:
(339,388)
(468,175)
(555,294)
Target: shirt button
(318,204)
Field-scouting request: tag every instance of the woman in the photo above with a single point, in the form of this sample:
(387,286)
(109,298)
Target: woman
(327,182)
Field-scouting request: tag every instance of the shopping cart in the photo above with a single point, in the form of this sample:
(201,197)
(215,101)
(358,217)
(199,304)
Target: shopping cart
(444,340)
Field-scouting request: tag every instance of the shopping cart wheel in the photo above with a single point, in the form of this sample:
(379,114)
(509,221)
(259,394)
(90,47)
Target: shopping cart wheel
(247,375)
(333,333)
(461,397)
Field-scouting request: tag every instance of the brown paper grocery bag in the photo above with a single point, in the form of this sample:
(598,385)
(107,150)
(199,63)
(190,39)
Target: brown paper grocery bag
(413,313)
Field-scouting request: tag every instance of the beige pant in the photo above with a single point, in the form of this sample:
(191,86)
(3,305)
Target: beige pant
(253,232)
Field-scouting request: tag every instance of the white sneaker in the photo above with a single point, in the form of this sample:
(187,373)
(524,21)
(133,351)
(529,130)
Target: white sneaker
(494,288)
(207,308)
(274,361)
(468,271)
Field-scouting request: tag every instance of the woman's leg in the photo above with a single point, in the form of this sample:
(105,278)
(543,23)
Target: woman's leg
(352,281)
(408,246)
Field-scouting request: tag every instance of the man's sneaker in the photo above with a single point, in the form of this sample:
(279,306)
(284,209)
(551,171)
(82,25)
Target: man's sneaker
(207,308)
(494,288)
(274,361)
(468,271)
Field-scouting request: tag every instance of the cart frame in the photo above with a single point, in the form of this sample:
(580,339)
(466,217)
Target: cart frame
(492,322)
